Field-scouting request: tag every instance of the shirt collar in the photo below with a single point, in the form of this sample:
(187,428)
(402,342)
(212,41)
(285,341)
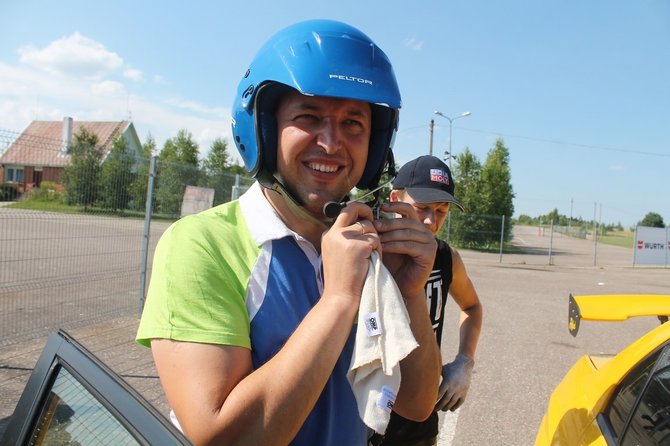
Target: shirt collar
(262,219)
(265,225)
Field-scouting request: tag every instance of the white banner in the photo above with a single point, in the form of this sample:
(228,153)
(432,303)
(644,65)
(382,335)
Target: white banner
(652,246)
(196,199)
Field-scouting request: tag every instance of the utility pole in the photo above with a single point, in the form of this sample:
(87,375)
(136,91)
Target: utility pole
(430,146)
(570,221)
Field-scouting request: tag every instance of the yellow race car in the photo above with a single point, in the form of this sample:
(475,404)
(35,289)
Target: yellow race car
(619,400)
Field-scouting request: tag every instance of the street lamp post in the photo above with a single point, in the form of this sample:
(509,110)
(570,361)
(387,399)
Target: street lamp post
(451,121)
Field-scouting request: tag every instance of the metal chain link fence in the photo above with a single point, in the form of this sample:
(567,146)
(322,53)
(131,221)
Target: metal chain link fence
(77,235)
(76,239)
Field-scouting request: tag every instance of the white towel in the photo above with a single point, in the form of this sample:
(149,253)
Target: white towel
(383,338)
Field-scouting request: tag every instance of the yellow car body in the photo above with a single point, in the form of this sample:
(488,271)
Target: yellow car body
(588,405)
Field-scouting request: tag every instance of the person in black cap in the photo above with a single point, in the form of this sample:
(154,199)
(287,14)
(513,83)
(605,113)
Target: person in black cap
(426,183)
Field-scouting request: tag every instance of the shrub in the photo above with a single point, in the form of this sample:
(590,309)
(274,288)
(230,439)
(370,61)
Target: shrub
(48,191)
(9,191)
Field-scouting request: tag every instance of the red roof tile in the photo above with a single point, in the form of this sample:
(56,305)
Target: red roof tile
(41,143)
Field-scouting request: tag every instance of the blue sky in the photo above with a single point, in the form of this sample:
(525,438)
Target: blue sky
(578,90)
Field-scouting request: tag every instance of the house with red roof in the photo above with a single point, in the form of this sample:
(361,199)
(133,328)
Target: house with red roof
(40,153)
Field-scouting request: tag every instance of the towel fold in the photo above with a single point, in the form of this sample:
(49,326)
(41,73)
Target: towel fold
(383,338)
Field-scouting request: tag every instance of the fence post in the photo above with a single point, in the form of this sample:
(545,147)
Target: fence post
(147,229)
(448,223)
(635,239)
(235,192)
(595,235)
(551,241)
(502,237)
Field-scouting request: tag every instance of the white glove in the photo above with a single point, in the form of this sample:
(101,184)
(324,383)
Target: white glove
(455,383)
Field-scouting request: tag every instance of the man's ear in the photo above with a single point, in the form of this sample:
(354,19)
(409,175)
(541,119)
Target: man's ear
(393,196)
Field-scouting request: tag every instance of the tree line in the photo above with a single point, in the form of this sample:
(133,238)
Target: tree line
(486,193)
(651,219)
(120,181)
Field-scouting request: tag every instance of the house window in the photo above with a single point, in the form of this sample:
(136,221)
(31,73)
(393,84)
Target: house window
(14,175)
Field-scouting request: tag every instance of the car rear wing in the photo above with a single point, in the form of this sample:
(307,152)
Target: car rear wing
(616,307)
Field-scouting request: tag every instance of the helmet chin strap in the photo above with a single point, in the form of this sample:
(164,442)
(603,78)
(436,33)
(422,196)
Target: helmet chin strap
(271,182)
(330,210)
(333,208)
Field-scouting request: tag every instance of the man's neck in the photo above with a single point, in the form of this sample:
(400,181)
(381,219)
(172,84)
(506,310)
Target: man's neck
(309,228)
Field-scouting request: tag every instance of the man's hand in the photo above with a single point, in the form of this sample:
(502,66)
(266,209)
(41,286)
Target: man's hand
(409,248)
(345,252)
(456,378)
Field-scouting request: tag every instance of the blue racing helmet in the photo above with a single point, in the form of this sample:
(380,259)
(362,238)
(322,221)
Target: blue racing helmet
(316,58)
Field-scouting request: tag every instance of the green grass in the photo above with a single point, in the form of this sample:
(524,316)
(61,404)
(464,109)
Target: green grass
(623,239)
(62,208)
(49,206)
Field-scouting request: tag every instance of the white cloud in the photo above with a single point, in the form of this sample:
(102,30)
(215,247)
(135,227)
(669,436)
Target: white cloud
(164,122)
(413,44)
(108,88)
(85,90)
(196,107)
(133,74)
(617,168)
(14,81)
(73,55)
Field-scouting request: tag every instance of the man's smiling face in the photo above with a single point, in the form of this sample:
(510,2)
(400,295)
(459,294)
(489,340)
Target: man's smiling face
(322,147)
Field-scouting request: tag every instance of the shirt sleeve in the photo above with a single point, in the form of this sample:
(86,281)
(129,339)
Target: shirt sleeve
(198,284)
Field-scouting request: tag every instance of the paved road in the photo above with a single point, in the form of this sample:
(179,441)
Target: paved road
(60,269)
(525,347)
(524,351)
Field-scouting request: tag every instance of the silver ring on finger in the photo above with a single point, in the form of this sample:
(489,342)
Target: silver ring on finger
(362,227)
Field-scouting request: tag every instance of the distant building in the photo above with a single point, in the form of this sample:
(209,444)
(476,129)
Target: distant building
(40,152)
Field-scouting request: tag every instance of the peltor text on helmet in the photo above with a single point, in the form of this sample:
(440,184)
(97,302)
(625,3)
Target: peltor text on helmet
(344,77)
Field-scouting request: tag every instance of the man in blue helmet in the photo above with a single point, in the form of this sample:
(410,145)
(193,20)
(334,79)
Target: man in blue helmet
(251,306)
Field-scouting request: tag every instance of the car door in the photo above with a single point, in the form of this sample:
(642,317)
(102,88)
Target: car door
(73,398)
(639,411)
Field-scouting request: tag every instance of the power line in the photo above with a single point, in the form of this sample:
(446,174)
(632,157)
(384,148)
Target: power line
(550,141)
(565,143)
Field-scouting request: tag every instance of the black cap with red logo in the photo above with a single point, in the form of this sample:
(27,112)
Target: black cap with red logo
(427,180)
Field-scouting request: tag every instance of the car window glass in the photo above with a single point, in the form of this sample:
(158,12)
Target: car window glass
(72,416)
(627,393)
(651,421)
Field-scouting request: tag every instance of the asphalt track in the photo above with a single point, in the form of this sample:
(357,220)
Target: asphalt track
(524,351)
(525,348)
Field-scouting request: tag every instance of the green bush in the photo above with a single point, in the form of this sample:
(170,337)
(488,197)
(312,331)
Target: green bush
(9,191)
(49,185)
(48,191)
